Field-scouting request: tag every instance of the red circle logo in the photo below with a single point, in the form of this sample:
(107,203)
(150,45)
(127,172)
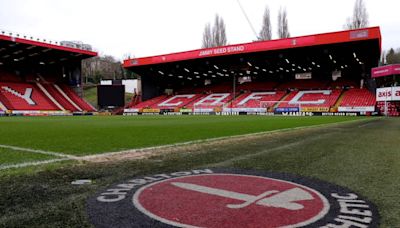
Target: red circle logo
(230,200)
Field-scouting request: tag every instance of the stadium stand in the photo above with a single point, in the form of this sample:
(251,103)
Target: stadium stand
(36,75)
(321,100)
(62,98)
(177,101)
(75,98)
(24,96)
(210,101)
(358,98)
(256,99)
(256,95)
(149,103)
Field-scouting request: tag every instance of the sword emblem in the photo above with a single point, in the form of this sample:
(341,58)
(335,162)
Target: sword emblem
(286,199)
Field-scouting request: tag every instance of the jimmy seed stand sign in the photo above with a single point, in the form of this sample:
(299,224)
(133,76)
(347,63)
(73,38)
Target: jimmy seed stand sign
(229,198)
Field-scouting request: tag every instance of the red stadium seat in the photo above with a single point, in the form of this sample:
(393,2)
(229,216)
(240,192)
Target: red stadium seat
(358,98)
(25,96)
(319,99)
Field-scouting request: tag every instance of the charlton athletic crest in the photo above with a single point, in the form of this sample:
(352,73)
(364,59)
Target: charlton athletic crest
(229,198)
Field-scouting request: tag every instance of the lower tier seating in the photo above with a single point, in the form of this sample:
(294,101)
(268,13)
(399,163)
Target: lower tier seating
(321,100)
(358,98)
(308,100)
(258,99)
(24,96)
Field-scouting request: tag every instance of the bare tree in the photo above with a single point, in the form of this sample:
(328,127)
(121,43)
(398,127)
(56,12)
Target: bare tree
(215,36)
(359,18)
(207,37)
(283,27)
(218,31)
(265,33)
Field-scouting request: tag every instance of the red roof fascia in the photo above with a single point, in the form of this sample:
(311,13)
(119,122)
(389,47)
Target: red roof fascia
(385,70)
(47,45)
(303,41)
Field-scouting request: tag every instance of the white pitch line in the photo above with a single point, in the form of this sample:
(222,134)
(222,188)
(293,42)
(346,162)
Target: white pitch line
(39,151)
(90,157)
(26,164)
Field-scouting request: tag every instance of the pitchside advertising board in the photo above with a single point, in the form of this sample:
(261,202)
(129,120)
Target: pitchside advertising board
(388,94)
(229,198)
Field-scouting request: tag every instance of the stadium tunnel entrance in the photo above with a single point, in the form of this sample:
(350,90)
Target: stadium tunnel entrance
(317,62)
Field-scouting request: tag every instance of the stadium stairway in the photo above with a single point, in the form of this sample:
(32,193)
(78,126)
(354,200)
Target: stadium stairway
(335,107)
(83,105)
(49,96)
(5,103)
(61,97)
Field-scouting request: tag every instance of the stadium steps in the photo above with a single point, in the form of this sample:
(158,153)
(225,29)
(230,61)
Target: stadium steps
(5,102)
(282,99)
(66,97)
(229,104)
(62,98)
(337,103)
(76,99)
(48,95)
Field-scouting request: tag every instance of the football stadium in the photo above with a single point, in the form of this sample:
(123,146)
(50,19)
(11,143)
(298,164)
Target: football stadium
(294,132)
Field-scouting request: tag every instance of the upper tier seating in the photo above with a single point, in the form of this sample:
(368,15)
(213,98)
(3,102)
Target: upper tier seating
(358,98)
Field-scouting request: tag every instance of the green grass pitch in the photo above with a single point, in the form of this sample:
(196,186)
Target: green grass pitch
(92,135)
(361,155)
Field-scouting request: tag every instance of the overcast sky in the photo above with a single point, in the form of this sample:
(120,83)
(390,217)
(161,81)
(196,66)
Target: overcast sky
(153,27)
